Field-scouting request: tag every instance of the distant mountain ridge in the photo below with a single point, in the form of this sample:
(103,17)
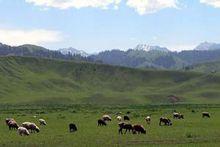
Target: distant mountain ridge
(142,56)
(36,51)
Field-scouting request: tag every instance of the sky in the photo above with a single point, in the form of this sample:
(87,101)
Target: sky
(97,25)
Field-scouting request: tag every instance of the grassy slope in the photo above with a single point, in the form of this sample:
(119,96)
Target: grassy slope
(43,81)
(207,67)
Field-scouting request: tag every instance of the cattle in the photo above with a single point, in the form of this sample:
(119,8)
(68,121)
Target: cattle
(205,114)
(126,118)
(165,121)
(101,122)
(119,118)
(178,116)
(42,122)
(148,119)
(138,129)
(72,127)
(23,131)
(31,126)
(127,127)
(106,118)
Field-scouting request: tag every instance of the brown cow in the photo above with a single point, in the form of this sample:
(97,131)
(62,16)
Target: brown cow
(138,129)
(127,127)
(166,121)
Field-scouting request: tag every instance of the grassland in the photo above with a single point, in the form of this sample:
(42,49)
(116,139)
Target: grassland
(192,131)
(26,80)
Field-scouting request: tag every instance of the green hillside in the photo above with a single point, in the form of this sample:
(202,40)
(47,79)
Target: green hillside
(26,80)
(209,67)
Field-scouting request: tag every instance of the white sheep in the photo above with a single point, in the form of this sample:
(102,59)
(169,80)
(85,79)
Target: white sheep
(148,119)
(119,118)
(106,118)
(31,126)
(23,131)
(42,122)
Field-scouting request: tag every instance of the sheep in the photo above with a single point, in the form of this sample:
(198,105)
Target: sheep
(205,114)
(127,127)
(106,118)
(138,129)
(23,131)
(31,126)
(72,127)
(7,120)
(101,122)
(12,124)
(148,119)
(42,122)
(119,118)
(178,116)
(166,121)
(126,118)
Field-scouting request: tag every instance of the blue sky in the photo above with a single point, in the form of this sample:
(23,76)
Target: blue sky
(96,25)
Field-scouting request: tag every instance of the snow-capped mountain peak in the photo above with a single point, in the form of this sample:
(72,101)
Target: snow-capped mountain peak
(73,51)
(207,46)
(147,48)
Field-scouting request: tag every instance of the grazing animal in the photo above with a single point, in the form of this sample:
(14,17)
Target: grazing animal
(205,114)
(138,129)
(101,122)
(148,119)
(8,119)
(106,118)
(128,112)
(119,118)
(178,116)
(127,127)
(31,126)
(72,127)
(12,124)
(126,118)
(23,131)
(165,121)
(42,122)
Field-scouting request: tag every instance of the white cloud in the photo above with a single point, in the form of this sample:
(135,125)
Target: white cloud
(65,4)
(37,36)
(214,3)
(151,6)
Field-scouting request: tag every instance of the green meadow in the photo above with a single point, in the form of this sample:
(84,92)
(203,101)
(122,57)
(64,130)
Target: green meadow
(191,131)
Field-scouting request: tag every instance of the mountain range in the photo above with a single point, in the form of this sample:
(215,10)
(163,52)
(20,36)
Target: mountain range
(141,56)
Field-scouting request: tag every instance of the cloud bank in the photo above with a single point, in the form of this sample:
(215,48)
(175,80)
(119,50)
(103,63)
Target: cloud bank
(37,36)
(214,3)
(65,4)
(151,6)
(141,6)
